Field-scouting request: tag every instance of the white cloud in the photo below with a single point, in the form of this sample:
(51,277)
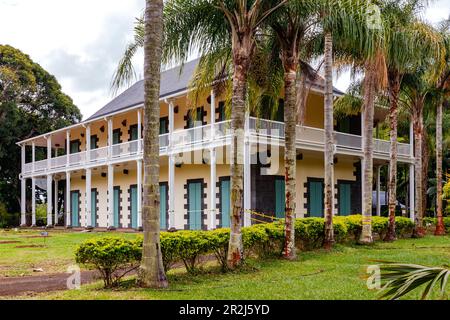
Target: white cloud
(81,41)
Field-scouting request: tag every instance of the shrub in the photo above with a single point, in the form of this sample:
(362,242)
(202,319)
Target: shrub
(190,245)
(219,241)
(112,257)
(403,226)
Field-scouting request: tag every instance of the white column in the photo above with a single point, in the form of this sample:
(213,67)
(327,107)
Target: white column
(411,192)
(139,193)
(212,164)
(68,200)
(33,201)
(411,138)
(88,198)
(139,132)
(171,191)
(22,156)
(378,191)
(49,199)
(88,143)
(23,203)
(247,175)
(49,152)
(171,208)
(212,189)
(33,154)
(110,137)
(55,200)
(68,149)
(110,196)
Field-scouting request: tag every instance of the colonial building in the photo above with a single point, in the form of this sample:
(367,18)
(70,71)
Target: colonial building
(93,170)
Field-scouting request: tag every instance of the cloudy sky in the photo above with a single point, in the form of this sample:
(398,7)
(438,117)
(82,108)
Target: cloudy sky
(81,41)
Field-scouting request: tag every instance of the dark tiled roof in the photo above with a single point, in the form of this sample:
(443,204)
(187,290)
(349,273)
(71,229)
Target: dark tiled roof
(172,82)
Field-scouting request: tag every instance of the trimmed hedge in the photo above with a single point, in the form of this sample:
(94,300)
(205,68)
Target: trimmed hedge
(260,240)
(112,257)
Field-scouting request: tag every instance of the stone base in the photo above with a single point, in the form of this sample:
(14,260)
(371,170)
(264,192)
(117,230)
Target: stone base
(111,228)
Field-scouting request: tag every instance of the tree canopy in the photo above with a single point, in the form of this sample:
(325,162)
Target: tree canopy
(31,103)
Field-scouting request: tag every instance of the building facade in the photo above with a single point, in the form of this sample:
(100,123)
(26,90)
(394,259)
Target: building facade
(92,174)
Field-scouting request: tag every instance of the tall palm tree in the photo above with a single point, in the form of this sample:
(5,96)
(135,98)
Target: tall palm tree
(408,43)
(151,272)
(192,23)
(444,88)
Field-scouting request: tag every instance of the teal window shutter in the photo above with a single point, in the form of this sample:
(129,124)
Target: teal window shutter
(280,198)
(134,208)
(315,198)
(75,207)
(195,210)
(93,207)
(116,203)
(225,203)
(163,206)
(344,199)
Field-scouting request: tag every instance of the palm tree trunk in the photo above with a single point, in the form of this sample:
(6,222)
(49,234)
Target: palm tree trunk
(290,63)
(369,98)
(394,89)
(440,229)
(418,131)
(301,97)
(235,248)
(425,165)
(329,142)
(151,272)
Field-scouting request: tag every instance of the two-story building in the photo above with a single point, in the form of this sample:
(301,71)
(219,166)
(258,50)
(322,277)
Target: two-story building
(97,164)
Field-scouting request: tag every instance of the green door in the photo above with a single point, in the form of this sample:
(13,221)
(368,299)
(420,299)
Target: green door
(133,206)
(315,200)
(163,206)
(74,146)
(116,136)
(116,202)
(163,125)
(195,120)
(133,133)
(195,209)
(225,203)
(75,208)
(93,207)
(93,142)
(280,198)
(344,199)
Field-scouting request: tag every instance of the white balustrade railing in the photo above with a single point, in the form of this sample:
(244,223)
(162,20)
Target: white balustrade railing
(76,159)
(202,134)
(310,135)
(98,154)
(58,162)
(40,165)
(349,141)
(266,127)
(381,146)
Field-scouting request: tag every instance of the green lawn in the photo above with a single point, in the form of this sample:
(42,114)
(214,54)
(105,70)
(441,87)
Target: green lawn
(52,254)
(339,274)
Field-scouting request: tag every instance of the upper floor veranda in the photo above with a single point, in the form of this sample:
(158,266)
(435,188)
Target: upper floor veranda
(114,133)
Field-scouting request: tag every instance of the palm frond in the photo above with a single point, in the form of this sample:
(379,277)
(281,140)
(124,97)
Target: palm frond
(400,279)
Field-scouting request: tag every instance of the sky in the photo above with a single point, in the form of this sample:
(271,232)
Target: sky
(81,41)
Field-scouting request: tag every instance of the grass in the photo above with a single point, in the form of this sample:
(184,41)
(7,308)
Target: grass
(30,250)
(339,274)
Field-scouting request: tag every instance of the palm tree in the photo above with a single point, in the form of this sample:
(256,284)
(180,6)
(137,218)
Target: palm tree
(151,272)
(408,43)
(443,87)
(192,23)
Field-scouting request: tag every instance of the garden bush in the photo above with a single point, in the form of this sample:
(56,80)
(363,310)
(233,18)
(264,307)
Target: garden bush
(112,257)
(109,255)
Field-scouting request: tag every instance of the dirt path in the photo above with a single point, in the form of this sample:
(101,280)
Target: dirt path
(16,286)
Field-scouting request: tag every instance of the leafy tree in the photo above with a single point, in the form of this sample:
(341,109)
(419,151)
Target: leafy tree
(31,103)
